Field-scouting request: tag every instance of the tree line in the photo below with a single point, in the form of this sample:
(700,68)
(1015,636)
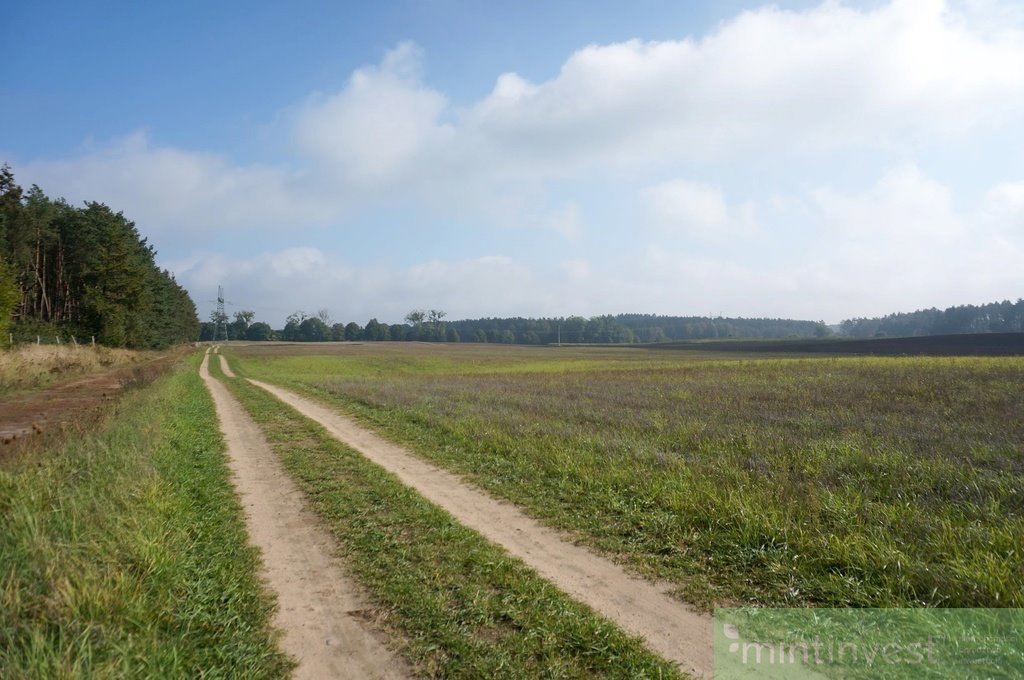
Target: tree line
(994,317)
(432,326)
(631,328)
(84,272)
(302,327)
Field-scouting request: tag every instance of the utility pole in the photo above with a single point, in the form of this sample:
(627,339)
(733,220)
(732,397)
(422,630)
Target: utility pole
(221,316)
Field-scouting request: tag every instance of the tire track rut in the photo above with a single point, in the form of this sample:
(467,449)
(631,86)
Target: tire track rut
(318,605)
(667,626)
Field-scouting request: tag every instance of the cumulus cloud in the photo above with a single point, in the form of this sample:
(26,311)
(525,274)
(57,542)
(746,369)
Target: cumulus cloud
(821,79)
(899,244)
(274,284)
(372,132)
(1005,204)
(901,236)
(696,209)
(566,220)
(905,207)
(641,119)
(765,82)
(902,244)
(168,190)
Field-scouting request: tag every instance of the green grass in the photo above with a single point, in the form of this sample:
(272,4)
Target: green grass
(124,553)
(816,481)
(455,604)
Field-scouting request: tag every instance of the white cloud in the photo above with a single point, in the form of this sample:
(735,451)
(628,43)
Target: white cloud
(696,209)
(897,245)
(275,284)
(171,191)
(372,132)
(825,78)
(1004,204)
(577,269)
(566,220)
(765,88)
(905,208)
(767,82)
(902,245)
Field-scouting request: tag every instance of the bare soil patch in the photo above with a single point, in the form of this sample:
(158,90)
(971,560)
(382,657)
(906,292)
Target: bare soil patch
(26,414)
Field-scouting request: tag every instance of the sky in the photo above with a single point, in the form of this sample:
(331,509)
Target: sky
(801,160)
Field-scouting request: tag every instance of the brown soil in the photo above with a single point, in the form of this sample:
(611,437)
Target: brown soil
(24,415)
(320,610)
(667,626)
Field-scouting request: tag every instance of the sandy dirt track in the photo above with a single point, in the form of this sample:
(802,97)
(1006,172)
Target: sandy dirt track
(224,367)
(667,626)
(318,606)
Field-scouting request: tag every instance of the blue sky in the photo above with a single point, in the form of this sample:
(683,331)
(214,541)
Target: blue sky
(800,159)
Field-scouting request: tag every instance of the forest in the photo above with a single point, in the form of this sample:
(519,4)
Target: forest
(994,317)
(83,273)
(431,326)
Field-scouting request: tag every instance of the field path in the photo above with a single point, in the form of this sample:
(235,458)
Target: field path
(318,609)
(224,367)
(639,607)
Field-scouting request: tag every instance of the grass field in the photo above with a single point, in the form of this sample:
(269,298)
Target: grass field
(123,551)
(454,604)
(799,481)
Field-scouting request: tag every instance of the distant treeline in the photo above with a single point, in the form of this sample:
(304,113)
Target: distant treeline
(631,328)
(84,272)
(995,317)
(431,327)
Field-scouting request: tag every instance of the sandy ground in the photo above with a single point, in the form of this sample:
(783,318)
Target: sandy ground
(642,608)
(319,607)
(224,366)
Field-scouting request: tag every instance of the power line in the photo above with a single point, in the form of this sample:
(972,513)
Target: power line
(221,315)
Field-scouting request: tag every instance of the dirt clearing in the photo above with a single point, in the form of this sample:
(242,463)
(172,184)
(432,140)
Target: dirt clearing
(318,606)
(47,409)
(639,607)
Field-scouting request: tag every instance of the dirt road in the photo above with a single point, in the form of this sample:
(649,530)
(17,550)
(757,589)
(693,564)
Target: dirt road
(225,368)
(639,607)
(318,606)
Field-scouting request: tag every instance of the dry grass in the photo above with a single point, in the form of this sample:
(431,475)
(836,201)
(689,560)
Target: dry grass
(33,366)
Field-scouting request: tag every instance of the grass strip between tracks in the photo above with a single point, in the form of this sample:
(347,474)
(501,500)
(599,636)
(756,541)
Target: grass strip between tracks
(457,605)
